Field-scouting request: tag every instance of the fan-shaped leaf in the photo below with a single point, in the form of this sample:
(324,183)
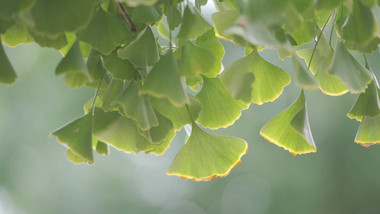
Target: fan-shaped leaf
(5,24)
(223,20)
(328,4)
(137,107)
(135,3)
(164,81)
(367,104)
(290,129)
(160,149)
(304,78)
(113,92)
(205,156)
(104,32)
(146,14)
(44,41)
(7,73)
(17,34)
(219,108)
(369,131)
(73,67)
(120,68)
(253,79)
(142,51)
(77,135)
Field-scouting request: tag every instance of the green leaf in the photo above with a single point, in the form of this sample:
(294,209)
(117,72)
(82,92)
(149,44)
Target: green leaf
(71,156)
(58,42)
(102,148)
(77,135)
(304,78)
(117,131)
(224,20)
(7,73)
(179,116)
(290,129)
(112,93)
(305,33)
(253,79)
(327,4)
(196,60)
(17,34)
(135,3)
(160,132)
(209,41)
(349,71)
(370,47)
(53,18)
(160,149)
(104,32)
(120,68)
(73,67)
(142,51)
(361,25)
(205,156)
(146,14)
(137,107)
(173,14)
(266,12)
(193,25)
(369,131)
(5,24)
(367,104)
(10,8)
(71,39)
(164,81)
(219,108)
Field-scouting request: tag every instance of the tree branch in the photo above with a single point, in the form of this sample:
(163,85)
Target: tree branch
(126,17)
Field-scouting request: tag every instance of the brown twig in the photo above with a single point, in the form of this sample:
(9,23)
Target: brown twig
(126,17)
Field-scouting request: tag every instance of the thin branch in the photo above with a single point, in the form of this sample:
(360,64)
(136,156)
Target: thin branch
(126,17)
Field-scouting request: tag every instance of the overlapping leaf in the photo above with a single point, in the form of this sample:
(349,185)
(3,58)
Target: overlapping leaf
(196,60)
(290,129)
(7,73)
(120,68)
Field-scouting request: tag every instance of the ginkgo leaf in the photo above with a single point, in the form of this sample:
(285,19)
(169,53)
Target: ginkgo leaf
(173,14)
(5,24)
(349,71)
(142,51)
(18,34)
(120,68)
(7,73)
(53,18)
(266,12)
(73,67)
(205,156)
(367,104)
(77,135)
(328,4)
(146,14)
(160,132)
(369,131)
(135,3)
(117,131)
(370,47)
(113,92)
(71,156)
(196,60)
(137,107)
(290,129)
(101,148)
(253,79)
(193,25)
(164,81)
(219,108)
(179,116)
(208,40)
(85,48)
(223,20)
(361,24)
(104,32)
(160,149)
(44,41)
(304,78)
(10,8)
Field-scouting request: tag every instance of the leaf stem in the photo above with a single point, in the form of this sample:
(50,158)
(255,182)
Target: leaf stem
(332,28)
(126,17)
(316,43)
(191,117)
(96,94)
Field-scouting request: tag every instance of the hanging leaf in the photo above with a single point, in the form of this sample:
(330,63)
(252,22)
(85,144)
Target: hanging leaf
(290,129)
(53,18)
(136,107)
(253,79)
(16,35)
(193,25)
(205,156)
(7,73)
(328,4)
(369,131)
(196,60)
(5,24)
(160,149)
(117,131)
(173,14)
(223,20)
(160,132)
(71,156)
(104,32)
(135,3)
(219,108)
(45,41)
(164,81)
(142,51)
(73,67)
(304,78)
(113,92)
(353,75)
(10,8)
(77,135)
(120,68)
(146,14)
(367,104)
(102,148)
(179,116)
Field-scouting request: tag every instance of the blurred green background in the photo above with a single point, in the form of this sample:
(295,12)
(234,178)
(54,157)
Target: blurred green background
(36,178)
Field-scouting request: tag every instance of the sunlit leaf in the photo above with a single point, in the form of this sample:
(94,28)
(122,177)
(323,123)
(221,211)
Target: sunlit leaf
(253,79)
(70,155)
(179,116)
(135,3)
(18,34)
(160,149)
(160,132)
(58,42)
(205,156)
(77,135)
(113,92)
(369,131)
(224,20)
(328,4)
(351,72)
(142,51)
(73,67)
(290,129)
(164,81)
(219,108)
(104,32)
(120,68)
(304,78)
(137,107)
(7,73)
(367,104)
(193,25)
